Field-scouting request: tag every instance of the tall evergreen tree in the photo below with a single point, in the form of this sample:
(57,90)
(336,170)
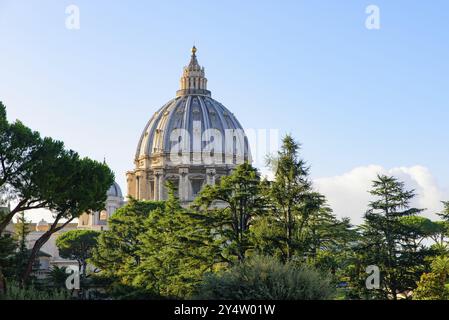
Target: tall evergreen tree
(156,249)
(291,195)
(299,223)
(117,249)
(176,251)
(230,208)
(389,243)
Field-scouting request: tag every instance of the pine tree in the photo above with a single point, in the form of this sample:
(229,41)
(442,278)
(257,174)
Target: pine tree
(155,249)
(117,249)
(291,194)
(299,223)
(78,245)
(175,253)
(387,242)
(229,209)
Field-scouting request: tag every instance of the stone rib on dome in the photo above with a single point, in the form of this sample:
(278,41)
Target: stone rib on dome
(181,113)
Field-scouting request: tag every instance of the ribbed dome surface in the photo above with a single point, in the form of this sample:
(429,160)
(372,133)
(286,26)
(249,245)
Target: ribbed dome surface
(115,191)
(193,115)
(181,113)
(191,141)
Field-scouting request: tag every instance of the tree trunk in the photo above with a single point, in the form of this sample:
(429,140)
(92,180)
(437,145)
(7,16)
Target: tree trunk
(7,219)
(33,255)
(37,246)
(289,233)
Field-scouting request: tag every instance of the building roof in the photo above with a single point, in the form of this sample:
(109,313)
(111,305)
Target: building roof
(196,112)
(115,191)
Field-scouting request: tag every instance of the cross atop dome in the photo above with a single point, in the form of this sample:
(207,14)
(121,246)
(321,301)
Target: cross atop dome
(193,79)
(193,65)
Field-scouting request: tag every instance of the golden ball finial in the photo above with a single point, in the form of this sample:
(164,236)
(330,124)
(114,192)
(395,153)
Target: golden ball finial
(193,50)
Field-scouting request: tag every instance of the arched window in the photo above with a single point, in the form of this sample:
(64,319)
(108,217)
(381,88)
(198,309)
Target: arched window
(197,184)
(103,215)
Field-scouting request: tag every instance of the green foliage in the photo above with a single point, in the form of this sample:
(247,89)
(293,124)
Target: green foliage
(229,209)
(441,234)
(58,277)
(293,201)
(122,291)
(421,226)
(40,173)
(82,187)
(299,225)
(22,230)
(156,250)
(430,287)
(391,240)
(117,249)
(440,265)
(2,114)
(77,245)
(8,248)
(433,285)
(25,170)
(153,250)
(176,251)
(261,278)
(16,292)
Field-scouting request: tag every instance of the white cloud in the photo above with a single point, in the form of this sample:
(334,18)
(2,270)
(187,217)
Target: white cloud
(348,194)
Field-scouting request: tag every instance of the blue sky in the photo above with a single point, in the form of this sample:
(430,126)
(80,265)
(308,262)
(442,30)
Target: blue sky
(354,97)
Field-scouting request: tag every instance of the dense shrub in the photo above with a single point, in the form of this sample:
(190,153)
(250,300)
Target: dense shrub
(433,285)
(15,292)
(266,278)
(430,287)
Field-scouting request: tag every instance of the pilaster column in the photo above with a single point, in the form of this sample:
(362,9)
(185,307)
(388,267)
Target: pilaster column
(183,184)
(131,181)
(137,186)
(151,191)
(143,186)
(155,187)
(159,174)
